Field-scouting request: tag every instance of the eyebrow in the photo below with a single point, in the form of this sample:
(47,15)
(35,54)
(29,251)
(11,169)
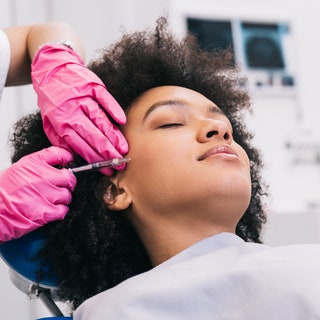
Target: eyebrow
(180,103)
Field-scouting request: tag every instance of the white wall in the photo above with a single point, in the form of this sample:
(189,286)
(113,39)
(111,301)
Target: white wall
(295,207)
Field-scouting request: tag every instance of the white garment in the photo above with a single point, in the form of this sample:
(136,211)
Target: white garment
(4,59)
(221,277)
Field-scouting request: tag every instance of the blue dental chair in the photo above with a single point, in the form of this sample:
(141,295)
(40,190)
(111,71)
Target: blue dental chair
(19,256)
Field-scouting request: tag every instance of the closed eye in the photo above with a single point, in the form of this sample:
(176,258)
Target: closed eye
(170,125)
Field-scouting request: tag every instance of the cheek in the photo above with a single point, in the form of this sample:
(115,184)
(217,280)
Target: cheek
(146,159)
(247,189)
(150,150)
(155,162)
(244,159)
(247,169)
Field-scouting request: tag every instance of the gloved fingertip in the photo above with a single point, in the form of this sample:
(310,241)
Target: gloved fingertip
(72,182)
(121,167)
(107,172)
(61,211)
(123,147)
(122,119)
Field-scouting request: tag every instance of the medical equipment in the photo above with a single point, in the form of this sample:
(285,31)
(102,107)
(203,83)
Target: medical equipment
(262,40)
(102,164)
(20,255)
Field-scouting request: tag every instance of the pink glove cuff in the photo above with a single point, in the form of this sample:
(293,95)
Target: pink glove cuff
(48,58)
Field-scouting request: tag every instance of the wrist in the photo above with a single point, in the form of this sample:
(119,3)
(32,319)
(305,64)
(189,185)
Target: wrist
(55,53)
(59,43)
(67,43)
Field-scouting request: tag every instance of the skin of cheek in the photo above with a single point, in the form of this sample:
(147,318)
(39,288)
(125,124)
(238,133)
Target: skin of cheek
(161,179)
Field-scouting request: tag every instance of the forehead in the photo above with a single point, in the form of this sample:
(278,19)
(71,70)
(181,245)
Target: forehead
(163,93)
(171,92)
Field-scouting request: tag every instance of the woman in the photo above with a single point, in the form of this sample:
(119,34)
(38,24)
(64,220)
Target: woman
(192,187)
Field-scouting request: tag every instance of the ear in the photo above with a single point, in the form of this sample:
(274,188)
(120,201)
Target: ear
(115,197)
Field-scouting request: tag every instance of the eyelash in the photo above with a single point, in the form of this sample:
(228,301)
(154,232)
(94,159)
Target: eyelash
(170,125)
(177,124)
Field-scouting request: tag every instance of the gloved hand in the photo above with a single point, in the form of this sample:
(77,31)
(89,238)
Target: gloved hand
(33,192)
(75,106)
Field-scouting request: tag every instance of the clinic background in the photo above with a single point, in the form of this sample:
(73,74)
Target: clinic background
(286,107)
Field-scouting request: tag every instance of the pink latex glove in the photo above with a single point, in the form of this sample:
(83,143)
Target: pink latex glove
(33,192)
(75,106)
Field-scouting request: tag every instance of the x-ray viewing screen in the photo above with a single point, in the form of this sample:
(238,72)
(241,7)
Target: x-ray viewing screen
(263,45)
(211,34)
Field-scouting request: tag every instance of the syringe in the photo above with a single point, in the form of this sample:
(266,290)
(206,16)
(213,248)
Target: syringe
(101,164)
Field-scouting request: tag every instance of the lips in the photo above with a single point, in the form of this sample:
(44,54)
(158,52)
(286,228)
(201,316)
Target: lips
(217,150)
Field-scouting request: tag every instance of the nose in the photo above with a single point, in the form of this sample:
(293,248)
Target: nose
(214,129)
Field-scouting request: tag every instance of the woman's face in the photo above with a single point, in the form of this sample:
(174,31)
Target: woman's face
(184,160)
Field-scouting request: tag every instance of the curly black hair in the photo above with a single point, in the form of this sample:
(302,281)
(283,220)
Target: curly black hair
(93,249)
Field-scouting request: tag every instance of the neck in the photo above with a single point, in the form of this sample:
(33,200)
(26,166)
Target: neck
(166,238)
